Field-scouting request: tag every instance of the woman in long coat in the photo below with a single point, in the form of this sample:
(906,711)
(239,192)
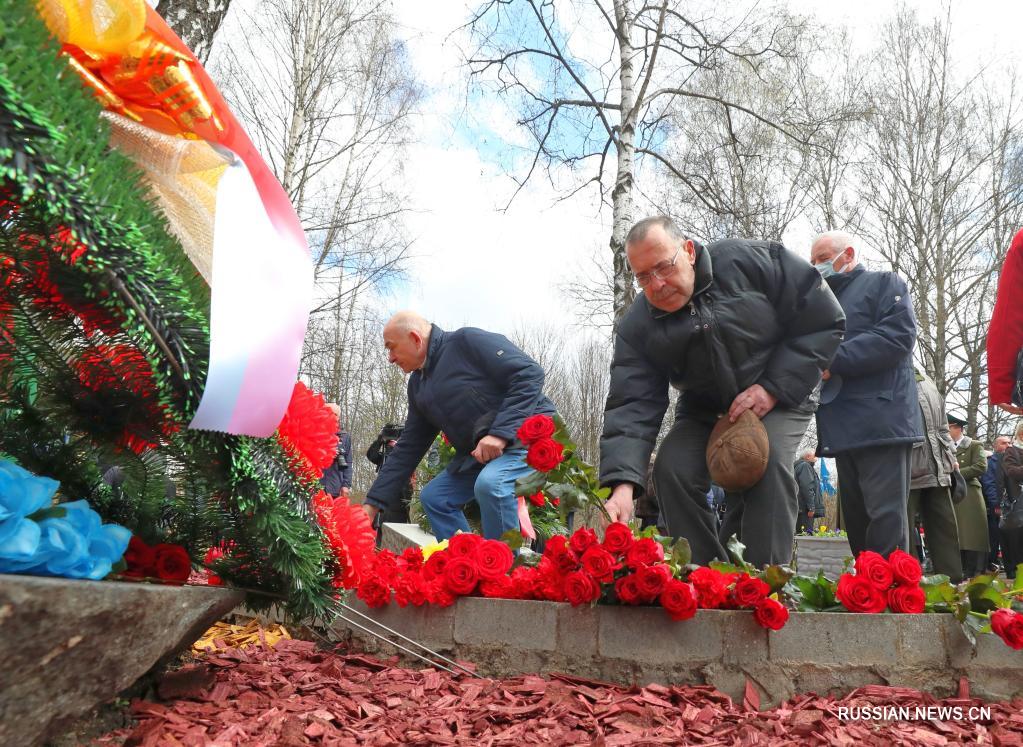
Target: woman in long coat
(971,513)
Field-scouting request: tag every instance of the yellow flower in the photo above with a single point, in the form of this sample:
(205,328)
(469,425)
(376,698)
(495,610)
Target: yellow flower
(822,528)
(429,550)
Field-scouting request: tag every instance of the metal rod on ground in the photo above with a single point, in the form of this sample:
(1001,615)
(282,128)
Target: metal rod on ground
(410,640)
(407,650)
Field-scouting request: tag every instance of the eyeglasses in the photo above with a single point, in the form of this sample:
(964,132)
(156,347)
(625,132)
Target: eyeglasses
(662,271)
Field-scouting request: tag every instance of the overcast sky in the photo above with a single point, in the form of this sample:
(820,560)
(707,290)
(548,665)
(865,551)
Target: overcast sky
(478,264)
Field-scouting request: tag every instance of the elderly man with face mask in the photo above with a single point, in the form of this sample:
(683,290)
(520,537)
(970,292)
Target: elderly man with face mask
(736,326)
(869,416)
(478,388)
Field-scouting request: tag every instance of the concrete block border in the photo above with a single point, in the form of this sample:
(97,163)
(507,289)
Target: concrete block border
(819,652)
(69,645)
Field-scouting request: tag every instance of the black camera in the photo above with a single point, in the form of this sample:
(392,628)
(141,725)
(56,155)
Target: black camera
(391,432)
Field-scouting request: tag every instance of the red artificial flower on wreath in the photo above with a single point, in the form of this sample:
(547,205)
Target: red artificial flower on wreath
(618,538)
(875,568)
(1008,625)
(580,588)
(644,551)
(545,454)
(349,536)
(538,499)
(771,614)
(599,563)
(907,599)
(679,599)
(858,594)
(535,428)
(119,395)
(906,569)
(493,559)
(172,563)
(214,554)
(711,587)
(581,539)
(748,591)
(309,430)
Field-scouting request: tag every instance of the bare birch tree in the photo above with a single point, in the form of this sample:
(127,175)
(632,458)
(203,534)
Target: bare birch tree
(587,90)
(196,22)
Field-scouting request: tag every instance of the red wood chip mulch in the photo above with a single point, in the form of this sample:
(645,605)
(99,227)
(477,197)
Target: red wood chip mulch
(295,694)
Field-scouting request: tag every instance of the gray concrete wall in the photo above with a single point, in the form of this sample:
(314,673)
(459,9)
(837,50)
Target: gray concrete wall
(68,645)
(815,652)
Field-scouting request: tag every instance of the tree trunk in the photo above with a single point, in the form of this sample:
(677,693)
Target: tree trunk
(196,22)
(621,195)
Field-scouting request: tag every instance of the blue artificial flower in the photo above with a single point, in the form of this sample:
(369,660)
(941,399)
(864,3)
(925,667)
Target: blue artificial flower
(21,494)
(74,545)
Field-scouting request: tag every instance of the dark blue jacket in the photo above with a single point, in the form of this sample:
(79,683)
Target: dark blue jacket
(989,482)
(339,474)
(473,384)
(871,398)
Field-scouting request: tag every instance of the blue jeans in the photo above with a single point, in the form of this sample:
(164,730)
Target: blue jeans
(493,487)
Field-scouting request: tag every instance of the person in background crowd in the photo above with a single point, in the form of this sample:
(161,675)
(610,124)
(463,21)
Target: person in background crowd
(808,492)
(1011,490)
(337,478)
(934,461)
(1005,335)
(869,416)
(971,515)
(736,326)
(991,486)
(478,388)
(377,453)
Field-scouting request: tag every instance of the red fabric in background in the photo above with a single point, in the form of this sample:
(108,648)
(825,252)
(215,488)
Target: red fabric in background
(1005,336)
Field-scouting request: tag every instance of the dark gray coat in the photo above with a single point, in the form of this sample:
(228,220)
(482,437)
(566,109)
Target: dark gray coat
(473,383)
(759,315)
(871,397)
(808,488)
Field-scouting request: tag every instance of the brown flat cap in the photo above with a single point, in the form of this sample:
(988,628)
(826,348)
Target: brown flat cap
(737,452)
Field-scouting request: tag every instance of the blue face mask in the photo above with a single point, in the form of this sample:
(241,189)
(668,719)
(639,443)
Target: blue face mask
(827,268)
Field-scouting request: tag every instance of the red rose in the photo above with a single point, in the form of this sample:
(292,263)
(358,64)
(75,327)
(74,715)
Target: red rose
(501,587)
(538,499)
(618,538)
(711,587)
(858,594)
(652,579)
(374,592)
(581,539)
(905,568)
(875,568)
(493,559)
(172,563)
(139,558)
(580,588)
(461,575)
(771,614)
(644,551)
(599,563)
(628,590)
(555,501)
(907,599)
(1008,625)
(534,428)
(749,591)
(545,455)
(464,544)
(435,565)
(679,599)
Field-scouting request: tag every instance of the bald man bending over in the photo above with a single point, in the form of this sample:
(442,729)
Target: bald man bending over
(476,387)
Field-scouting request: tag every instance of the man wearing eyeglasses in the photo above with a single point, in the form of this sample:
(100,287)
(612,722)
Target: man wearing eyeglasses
(736,325)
